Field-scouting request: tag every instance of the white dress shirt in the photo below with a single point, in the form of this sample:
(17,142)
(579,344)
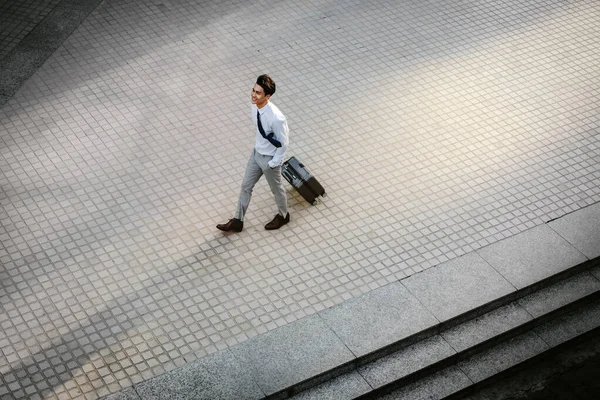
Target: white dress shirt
(272,120)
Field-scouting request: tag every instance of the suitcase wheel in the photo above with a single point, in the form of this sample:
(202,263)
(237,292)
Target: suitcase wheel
(324,194)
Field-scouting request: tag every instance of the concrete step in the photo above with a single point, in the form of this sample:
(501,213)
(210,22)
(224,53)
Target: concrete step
(568,371)
(430,335)
(474,347)
(500,360)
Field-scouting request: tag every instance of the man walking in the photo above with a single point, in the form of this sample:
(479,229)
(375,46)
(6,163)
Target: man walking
(271,144)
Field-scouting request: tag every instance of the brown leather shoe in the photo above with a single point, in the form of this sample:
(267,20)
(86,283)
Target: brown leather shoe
(234,224)
(277,222)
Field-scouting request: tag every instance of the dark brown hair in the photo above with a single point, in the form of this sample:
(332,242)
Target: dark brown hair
(268,84)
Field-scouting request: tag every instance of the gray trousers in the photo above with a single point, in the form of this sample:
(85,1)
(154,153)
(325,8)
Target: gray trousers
(257,166)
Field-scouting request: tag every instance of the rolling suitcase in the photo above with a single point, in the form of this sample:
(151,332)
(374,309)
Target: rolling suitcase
(298,176)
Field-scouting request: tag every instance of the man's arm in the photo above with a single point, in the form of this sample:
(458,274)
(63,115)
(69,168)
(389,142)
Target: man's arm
(281,133)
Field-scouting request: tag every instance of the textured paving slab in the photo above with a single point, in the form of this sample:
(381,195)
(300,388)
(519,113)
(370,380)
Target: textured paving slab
(437,127)
(560,294)
(292,354)
(218,376)
(569,326)
(531,256)
(458,286)
(436,386)
(505,355)
(596,272)
(384,316)
(477,330)
(581,229)
(347,386)
(406,361)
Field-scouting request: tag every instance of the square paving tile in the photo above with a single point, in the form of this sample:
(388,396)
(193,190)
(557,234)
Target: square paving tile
(127,146)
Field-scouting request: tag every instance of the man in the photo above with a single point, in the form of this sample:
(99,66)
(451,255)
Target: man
(269,150)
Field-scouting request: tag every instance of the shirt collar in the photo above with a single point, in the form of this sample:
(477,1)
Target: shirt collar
(262,110)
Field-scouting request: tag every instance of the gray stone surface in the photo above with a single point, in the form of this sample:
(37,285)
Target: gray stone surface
(580,360)
(19,66)
(532,255)
(378,318)
(437,386)
(571,325)
(406,361)
(486,326)
(216,377)
(119,156)
(457,286)
(18,18)
(344,387)
(50,34)
(502,356)
(126,394)
(596,272)
(43,40)
(559,294)
(291,354)
(581,228)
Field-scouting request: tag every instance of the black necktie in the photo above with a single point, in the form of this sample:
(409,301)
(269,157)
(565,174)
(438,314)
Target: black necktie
(270,137)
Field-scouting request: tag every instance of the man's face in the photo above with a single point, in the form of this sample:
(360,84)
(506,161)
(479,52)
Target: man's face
(258,96)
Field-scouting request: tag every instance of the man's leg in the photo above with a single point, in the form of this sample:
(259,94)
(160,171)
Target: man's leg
(252,175)
(275,180)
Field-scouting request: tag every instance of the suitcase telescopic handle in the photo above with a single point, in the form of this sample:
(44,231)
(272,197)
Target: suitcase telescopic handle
(289,174)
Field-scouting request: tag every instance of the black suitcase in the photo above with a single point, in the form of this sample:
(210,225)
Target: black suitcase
(298,176)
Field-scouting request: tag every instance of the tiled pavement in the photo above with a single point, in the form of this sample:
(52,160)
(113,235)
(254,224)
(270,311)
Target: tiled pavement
(437,127)
(18,19)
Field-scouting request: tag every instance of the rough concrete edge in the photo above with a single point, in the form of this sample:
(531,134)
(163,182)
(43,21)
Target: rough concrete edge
(347,386)
(386,350)
(35,48)
(484,345)
(519,367)
(538,377)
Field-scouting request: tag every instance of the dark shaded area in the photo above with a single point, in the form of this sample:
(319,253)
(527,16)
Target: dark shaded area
(580,383)
(47,36)
(568,372)
(18,18)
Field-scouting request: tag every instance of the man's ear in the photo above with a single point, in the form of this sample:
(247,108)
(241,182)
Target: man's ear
(268,96)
